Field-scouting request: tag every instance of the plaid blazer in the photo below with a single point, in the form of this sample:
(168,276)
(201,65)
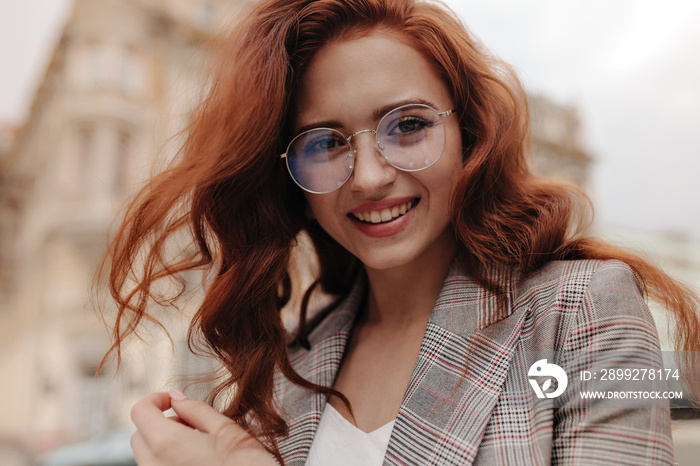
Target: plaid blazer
(468,400)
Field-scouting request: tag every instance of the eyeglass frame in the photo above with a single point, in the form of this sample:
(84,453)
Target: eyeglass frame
(353,150)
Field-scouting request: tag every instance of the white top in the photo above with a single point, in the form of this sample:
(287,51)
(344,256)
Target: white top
(340,443)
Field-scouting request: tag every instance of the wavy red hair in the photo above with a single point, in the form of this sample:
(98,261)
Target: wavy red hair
(231,194)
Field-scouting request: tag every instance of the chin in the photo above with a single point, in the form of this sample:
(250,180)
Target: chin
(383,261)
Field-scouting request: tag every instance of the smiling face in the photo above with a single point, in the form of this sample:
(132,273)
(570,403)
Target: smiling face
(386,217)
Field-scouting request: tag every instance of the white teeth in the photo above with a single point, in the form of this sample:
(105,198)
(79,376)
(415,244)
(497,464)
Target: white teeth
(384,215)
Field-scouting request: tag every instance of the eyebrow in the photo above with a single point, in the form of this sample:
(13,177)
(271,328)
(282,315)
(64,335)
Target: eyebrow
(376,114)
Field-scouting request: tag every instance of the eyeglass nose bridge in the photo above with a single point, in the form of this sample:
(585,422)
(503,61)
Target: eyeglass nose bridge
(379,145)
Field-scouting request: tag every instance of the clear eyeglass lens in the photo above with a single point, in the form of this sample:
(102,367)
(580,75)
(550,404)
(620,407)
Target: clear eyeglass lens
(320,160)
(411,138)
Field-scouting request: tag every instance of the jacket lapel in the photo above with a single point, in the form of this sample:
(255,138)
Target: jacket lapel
(445,411)
(301,407)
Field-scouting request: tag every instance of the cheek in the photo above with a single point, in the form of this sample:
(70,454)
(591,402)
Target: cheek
(443,184)
(318,206)
(453,166)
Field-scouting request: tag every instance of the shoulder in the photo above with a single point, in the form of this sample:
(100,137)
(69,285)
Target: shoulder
(584,300)
(568,282)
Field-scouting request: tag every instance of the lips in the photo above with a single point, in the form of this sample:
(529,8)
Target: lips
(386,214)
(398,213)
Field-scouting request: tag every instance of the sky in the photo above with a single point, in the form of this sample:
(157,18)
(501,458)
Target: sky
(630,67)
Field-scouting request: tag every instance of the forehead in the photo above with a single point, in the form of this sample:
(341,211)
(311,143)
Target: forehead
(349,78)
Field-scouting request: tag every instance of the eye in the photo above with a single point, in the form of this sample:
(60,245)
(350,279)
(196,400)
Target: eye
(323,146)
(408,125)
(324,142)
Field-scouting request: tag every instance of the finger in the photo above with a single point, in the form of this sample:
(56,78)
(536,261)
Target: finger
(140,448)
(178,419)
(199,415)
(155,429)
(150,409)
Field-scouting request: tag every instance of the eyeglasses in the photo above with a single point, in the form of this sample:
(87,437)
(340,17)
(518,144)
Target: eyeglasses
(410,138)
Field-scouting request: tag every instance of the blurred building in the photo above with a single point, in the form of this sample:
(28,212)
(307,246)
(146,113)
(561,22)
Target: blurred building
(557,142)
(121,80)
(120,84)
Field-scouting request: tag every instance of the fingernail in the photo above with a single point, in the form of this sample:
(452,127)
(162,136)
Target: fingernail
(177,395)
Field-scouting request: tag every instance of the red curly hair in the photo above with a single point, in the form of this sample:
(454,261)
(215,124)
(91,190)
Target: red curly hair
(231,194)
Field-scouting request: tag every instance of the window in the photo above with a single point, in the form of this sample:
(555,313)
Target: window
(94,399)
(96,64)
(121,162)
(87,148)
(126,75)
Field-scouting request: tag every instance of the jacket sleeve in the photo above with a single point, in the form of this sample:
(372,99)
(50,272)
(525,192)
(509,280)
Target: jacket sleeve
(612,329)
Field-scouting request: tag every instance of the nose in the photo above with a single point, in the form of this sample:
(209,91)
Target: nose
(371,172)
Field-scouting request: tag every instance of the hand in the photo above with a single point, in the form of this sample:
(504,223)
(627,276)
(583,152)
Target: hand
(198,435)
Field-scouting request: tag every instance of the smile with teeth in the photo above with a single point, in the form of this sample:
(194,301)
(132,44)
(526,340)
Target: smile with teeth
(385,215)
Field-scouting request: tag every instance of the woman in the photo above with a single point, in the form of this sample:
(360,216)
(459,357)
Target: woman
(403,156)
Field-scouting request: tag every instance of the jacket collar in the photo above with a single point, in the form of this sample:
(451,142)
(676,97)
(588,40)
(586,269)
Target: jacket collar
(445,409)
